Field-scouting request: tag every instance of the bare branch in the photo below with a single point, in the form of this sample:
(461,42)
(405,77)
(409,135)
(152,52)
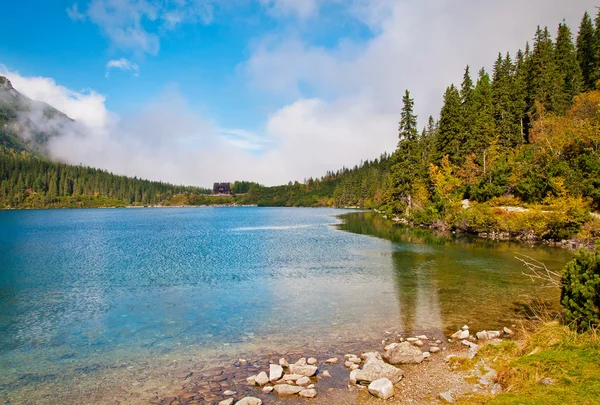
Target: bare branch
(538,270)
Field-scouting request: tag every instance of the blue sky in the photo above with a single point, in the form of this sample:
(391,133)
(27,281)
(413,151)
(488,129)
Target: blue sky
(196,91)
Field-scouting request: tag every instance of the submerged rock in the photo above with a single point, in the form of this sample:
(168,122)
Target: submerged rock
(375,368)
(286,389)
(382,388)
(326,374)
(403,353)
(249,401)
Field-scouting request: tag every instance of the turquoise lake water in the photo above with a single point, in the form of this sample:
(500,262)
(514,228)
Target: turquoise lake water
(83,289)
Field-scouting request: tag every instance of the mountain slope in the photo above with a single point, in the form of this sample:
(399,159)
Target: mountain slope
(26,124)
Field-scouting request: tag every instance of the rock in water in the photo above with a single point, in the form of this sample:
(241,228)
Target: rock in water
(283,363)
(301,362)
(261,378)
(275,372)
(307,370)
(286,389)
(227,402)
(353,376)
(304,381)
(375,368)
(326,373)
(382,388)
(332,360)
(312,361)
(310,393)
(249,401)
(267,389)
(403,353)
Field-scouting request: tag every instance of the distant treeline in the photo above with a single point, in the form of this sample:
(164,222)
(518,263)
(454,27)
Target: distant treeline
(30,181)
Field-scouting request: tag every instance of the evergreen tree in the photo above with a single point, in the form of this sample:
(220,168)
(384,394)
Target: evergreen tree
(544,78)
(568,68)
(466,102)
(587,54)
(484,129)
(408,120)
(450,125)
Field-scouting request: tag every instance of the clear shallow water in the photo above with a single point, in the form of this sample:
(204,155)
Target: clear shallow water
(82,289)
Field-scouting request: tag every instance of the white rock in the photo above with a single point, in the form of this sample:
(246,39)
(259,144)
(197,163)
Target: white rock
(418,343)
(355,360)
(292,377)
(283,363)
(312,361)
(471,345)
(308,393)
(243,362)
(508,331)
(447,397)
(354,367)
(286,389)
(434,349)
(310,386)
(426,355)
(375,368)
(348,364)
(326,374)
(382,388)
(465,327)
(353,374)
(307,370)
(261,378)
(403,353)
(494,334)
(483,335)
(275,372)
(460,335)
(229,393)
(226,402)
(349,356)
(267,389)
(301,362)
(411,339)
(303,381)
(251,380)
(249,401)
(332,360)
(422,337)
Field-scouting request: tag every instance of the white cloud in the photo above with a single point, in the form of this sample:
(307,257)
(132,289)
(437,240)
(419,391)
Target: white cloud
(295,8)
(136,25)
(122,64)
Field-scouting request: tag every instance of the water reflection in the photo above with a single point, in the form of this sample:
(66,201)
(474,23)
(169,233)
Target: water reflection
(444,281)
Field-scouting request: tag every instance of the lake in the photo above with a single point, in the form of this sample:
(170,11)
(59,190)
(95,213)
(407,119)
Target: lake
(111,290)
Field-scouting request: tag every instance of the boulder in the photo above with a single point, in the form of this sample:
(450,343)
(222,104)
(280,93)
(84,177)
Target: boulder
(286,389)
(303,381)
(312,361)
(261,378)
(307,370)
(249,401)
(375,368)
(275,372)
(403,353)
(382,388)
(309,393)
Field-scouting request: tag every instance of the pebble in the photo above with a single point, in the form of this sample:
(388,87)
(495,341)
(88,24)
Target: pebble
(251,380)
(434,349)
(411,339)
(286,389)
(332,360)
(249,401)
(508,331)
(354,367)
(353,374)
(310,386)
(326,374)
(418,343)
(422,337)
(426,355)
(226,402)
(267,389)
(229,393)
(243,362)
(303,381)
(283,363)
(275,372)
(349,356)
(465,327)
(301,362)
(312,361)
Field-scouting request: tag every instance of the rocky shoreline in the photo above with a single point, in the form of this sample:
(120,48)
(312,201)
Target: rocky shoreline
(370,375)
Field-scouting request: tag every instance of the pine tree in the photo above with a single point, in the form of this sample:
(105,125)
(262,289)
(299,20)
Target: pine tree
(408,120)
(544,79)
(484,129)
(568,68)
(587,54)
(521,96)
(502,88)
(466,103)
(450,125)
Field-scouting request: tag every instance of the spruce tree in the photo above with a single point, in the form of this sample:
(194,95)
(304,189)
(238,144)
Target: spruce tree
(587,54)
(466,103)
(408,120)
(568,68)
(450,125)
(484,129)
(544,78)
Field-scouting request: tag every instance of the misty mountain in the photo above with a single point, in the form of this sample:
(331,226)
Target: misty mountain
(27,124)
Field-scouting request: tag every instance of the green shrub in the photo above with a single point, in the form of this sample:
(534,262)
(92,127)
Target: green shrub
(580,295)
